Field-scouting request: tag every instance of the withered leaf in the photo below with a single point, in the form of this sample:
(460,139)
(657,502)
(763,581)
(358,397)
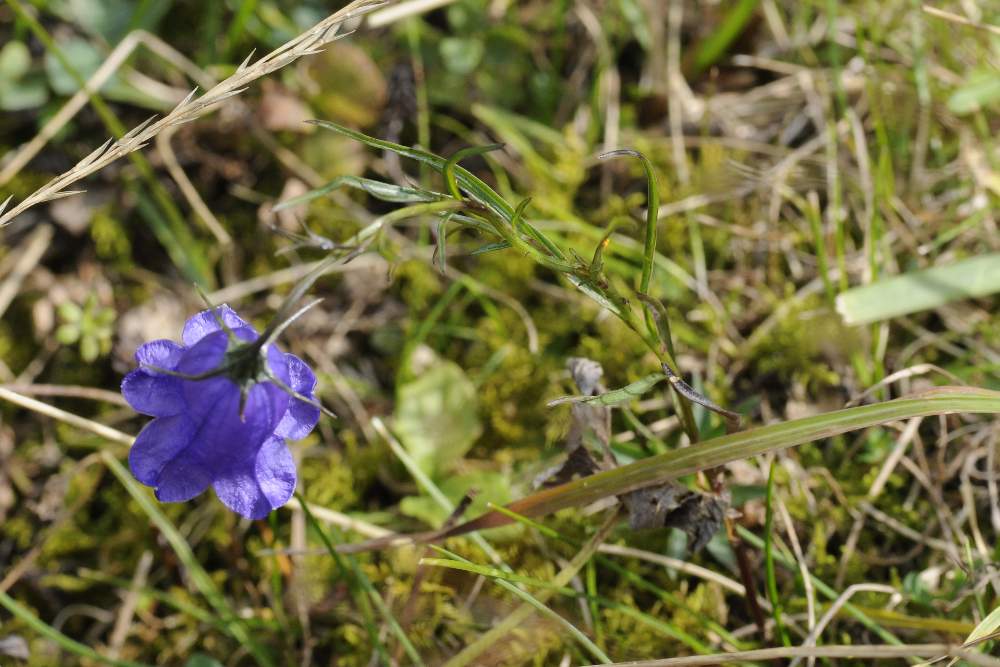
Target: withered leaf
(578,464)
(700,515)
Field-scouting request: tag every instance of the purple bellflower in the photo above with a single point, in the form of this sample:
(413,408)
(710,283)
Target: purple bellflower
(224,403)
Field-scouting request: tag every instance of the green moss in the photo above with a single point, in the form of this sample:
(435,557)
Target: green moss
(19,529)
(110,238)
(418,284)
(628,638)
(328,480)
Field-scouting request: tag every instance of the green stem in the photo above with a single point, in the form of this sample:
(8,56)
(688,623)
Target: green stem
(772,584)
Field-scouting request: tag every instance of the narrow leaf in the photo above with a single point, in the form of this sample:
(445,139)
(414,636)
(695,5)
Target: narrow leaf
(718,451)
(921,290)
(615,396)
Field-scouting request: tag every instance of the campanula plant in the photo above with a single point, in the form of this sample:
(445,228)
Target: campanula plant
(224,401)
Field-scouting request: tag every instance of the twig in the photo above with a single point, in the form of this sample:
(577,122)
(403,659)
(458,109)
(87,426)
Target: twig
(956,18)
(917,369)
(68,417)
(69,391)
(187,188)
(127,611)
(841,600)
(341,520)
(807,584)
(27,255)
(874,491)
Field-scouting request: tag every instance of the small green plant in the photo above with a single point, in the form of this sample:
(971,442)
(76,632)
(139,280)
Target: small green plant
(90,325)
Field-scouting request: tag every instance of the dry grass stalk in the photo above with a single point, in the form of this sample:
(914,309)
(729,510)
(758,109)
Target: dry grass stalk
(309,42)
(17,160)
(861,651)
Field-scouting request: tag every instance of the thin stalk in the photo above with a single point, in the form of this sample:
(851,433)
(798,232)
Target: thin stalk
(772,584)
(199,577)
(504,579)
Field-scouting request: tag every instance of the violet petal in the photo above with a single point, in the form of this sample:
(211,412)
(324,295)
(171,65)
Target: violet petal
(267,482)
(204,323)
(301,417)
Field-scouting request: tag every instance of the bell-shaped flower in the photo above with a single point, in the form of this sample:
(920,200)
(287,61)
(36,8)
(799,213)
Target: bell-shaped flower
(223,403)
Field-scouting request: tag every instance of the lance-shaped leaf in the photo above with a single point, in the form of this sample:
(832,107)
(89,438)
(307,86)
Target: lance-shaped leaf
(917,291)
(389,192)
(616,396)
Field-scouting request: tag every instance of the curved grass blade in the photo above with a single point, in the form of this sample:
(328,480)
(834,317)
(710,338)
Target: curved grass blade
(718,451)
(710,454)
(520,615)
(652,212)
(452,162)
(365,594)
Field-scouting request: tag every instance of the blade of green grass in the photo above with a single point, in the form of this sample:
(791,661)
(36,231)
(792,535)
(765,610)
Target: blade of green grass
(718,451)
(429,487)
(632,577)
(524,612)
(456,562)
(772,584)
(821,586)
(921,290)
(652,213)
(714,48)
(590,582)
